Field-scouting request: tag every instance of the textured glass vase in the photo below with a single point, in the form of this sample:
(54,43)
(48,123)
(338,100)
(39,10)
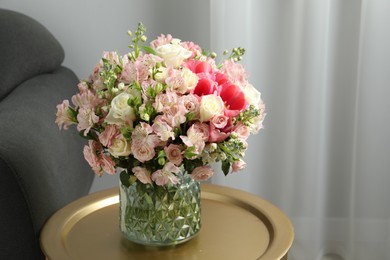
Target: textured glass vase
(160,216)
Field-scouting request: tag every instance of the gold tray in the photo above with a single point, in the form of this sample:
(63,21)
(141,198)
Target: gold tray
(235,225)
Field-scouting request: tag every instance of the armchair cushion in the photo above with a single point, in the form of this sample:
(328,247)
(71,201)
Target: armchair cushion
(41,168)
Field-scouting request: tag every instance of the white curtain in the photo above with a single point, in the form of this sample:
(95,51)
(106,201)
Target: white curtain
(323,68)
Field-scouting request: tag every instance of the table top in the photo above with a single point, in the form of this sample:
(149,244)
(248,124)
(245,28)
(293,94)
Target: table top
(235,225)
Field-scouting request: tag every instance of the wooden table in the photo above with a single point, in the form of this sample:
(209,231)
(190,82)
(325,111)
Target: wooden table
(235,225)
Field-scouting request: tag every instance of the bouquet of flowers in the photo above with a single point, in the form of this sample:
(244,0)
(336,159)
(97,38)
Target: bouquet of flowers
(164,108)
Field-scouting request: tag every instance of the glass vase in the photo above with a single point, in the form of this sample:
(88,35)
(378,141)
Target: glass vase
(160,216)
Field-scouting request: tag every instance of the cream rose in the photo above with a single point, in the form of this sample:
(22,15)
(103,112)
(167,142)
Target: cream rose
(120,112)
(190,78)
(173,54)
(252,95)
(210,105)
(120,147)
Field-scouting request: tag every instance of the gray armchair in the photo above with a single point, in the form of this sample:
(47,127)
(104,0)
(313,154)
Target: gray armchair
(41,168)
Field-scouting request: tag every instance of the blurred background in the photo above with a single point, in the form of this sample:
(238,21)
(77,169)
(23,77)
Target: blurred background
(323,68)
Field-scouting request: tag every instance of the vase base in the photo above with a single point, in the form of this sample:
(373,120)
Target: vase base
(159,243)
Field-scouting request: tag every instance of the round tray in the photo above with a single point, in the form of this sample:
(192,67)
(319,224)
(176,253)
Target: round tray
(235,225)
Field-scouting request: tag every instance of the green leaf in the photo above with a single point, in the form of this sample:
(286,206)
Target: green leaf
(148,199)
(189,153)
(225,167)
(149,50)
(125,178)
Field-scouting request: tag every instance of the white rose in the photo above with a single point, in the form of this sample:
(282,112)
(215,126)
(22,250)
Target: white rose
(190,78)
(210,105)
(252,95)
(120,111)
(120,147)
(173,54)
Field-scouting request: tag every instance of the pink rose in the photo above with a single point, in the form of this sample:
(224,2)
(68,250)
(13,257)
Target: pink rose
(173,153)
(200,129)
(202,173)
(242,131)
(191,104)
(219,121)
(142,174)
(238,165)
(142,152)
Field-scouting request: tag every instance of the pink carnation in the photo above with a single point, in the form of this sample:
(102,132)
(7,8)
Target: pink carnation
(202,173)
(107,164)
(175,115)
(235,72)
(161,40)
(165,101)
(99,162)
(194,48)
(110,133)
(136,71)
(91,157)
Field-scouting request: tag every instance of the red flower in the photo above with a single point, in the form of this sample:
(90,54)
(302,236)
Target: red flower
(233,96)
(205,86)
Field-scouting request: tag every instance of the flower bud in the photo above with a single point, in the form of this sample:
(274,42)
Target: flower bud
(143,38)
(161,161)
(129,33)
